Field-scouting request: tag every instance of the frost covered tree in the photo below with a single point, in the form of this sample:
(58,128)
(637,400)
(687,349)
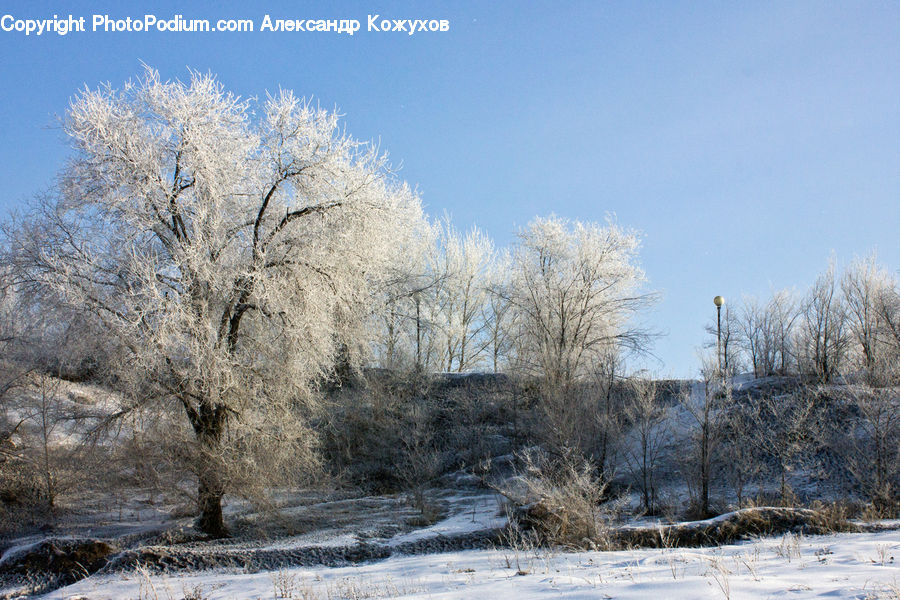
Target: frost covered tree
(647,416)
(788,428)
(728,335)
(466,260)
(704,403)
(757,335)
(872,451)
(229,245)
(437,303)
(823,333)
(573,290)
(402,327)
(496,312)
(14,322)
(887,307)
(782,317)
(755,339)
(866,286)
(766,330)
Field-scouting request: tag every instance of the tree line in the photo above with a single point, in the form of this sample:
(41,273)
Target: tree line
(227,266)
(847,323)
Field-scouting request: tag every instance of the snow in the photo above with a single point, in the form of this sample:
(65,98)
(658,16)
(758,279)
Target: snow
(480,513)
(327,539)
(467,513)
(833,566)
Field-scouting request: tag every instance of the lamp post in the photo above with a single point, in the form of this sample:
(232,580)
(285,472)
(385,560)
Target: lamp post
(719,301)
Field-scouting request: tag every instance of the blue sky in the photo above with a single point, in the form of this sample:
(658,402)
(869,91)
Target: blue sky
(747,141)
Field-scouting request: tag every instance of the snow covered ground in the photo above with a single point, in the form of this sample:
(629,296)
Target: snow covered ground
(858,566)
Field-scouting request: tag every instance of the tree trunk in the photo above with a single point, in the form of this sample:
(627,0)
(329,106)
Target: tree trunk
(209,424)
(704,472)
(704,492)
(419,364)
(783,486)
(209,499)
(645,477)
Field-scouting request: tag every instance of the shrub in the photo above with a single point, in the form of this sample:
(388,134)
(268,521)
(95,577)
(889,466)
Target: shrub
(558,501)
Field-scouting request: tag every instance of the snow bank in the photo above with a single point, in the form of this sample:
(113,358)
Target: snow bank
(840,566)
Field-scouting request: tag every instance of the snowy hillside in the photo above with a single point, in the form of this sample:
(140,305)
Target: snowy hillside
(833,566)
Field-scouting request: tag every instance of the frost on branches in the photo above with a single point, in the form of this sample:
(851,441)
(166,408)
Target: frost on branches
(574,289)
(230,245)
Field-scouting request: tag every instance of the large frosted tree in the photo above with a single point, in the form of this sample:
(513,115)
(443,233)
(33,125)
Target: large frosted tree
(573,291)
(229,245)
(574,288)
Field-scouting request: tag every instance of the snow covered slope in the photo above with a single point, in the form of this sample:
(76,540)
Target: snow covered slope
(833,566)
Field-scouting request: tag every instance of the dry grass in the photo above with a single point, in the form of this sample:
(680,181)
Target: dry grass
(559,503)
(745,523)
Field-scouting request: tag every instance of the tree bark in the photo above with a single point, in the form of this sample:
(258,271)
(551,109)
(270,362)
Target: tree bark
(209,499)
(209,424)
(704,470)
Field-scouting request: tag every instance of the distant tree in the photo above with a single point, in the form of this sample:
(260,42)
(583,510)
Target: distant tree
(788,428)
(740,450)
(436,303)
(766,332)
(230,246)
(887,309)
(783,315)
(402,327)
(462,295)
(608,414)
(756,337)
(705,402)
(729,338)
(823,333)
(647,416)
(497,314)
(864,285)
(874,449)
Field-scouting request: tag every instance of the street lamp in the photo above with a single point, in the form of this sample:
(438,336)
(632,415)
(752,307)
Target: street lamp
(719,301)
